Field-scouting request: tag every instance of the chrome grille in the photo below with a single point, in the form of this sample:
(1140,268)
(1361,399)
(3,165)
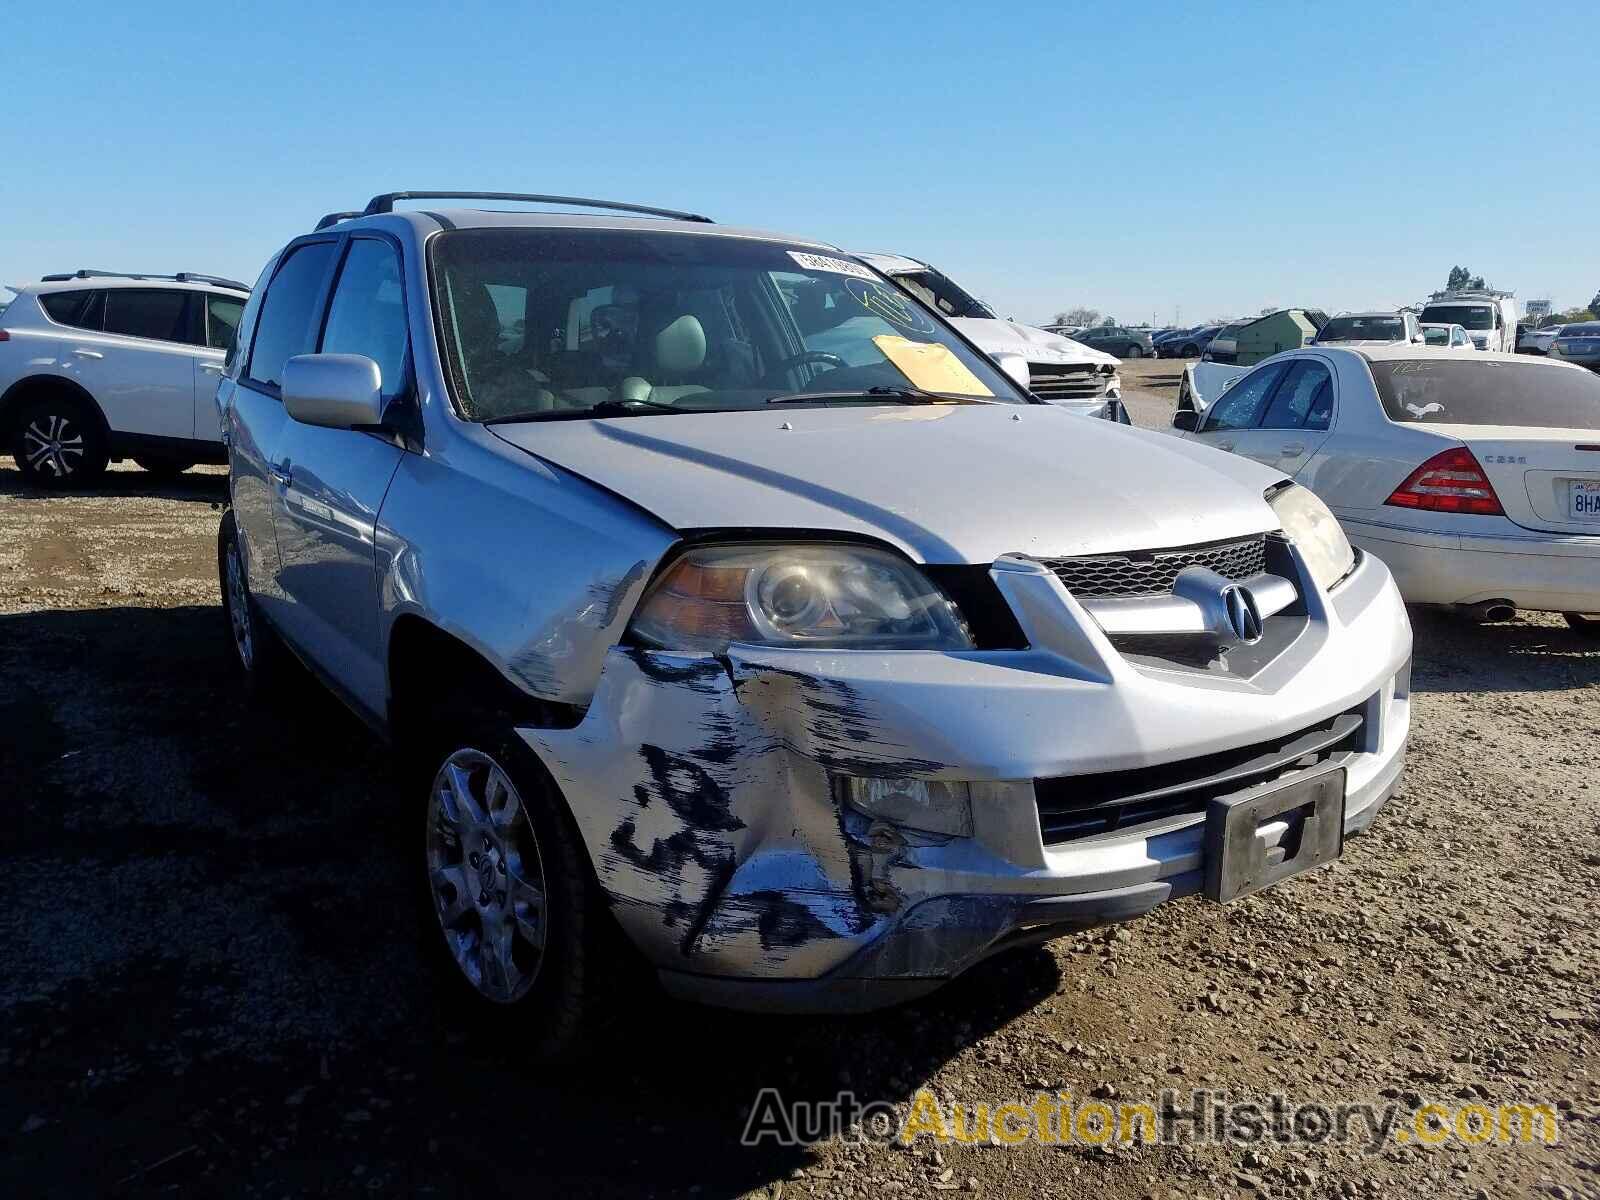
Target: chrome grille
(1067,381)
(1153,572)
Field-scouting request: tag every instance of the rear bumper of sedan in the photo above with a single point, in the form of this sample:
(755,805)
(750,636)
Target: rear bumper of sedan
(1540,572)
(710,791)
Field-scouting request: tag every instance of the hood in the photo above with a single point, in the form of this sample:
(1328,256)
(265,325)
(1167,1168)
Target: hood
(994,336)
(944,484)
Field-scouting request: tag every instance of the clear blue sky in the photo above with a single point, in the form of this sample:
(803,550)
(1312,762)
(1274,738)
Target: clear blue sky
(1137,158)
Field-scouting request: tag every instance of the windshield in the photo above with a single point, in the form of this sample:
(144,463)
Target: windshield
(1469,316)
(938,291)
(1588,329)
(560,322)
(1474,391)
(1433,335)
(1364,329)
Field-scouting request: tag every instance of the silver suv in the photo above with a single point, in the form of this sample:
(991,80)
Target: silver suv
(96,367)
(817,676)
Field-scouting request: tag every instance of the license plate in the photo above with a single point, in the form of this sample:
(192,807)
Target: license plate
(1266,833)
(1583,497)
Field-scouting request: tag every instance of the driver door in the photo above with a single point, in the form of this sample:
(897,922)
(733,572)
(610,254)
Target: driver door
(332,484)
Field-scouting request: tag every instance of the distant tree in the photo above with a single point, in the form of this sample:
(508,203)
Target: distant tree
(1572,316)
(1108,322)
(1078,316)
(1458,279)
(1594,305)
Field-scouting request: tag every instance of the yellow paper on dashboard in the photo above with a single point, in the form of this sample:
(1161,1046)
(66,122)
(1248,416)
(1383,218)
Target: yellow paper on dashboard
(930,366)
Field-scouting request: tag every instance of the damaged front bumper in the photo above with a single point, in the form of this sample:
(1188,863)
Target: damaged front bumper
(708,790)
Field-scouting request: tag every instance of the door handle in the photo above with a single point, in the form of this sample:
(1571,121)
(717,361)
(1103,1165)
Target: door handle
(211,368)
(1292,449)
(88,354)
(283,475)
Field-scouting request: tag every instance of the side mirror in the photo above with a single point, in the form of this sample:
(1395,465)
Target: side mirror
(1186,419)
(336,391)
(1015,366)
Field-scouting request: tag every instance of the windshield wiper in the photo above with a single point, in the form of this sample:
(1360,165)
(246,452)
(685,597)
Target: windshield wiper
(606,408)
(896,395)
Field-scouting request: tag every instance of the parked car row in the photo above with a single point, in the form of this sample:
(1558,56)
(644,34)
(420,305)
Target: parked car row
(1191,342)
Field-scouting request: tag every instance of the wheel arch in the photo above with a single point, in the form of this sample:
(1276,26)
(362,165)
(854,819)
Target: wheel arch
(427,666)
(33,387)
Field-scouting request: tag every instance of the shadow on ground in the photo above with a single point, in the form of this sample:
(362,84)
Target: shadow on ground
(191,485)
(1523,654)
(215,981)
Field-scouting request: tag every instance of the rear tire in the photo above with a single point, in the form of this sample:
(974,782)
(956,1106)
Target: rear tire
(163,468)
(57,443)
(518,928)
(1135,351)
(259,654)
(1191,351)
(1588,624)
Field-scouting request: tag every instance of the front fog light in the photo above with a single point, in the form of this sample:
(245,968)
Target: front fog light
(932,806)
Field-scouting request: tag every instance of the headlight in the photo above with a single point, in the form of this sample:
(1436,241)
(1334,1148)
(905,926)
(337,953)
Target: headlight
(1311,527)
(833,596)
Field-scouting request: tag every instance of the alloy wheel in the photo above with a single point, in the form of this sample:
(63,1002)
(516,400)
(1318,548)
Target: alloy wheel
(486,876)
(52,444)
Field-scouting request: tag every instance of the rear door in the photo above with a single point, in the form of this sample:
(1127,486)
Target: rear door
(1231,420)
(218,314)
(138,363)
(290,313)
(1296,421)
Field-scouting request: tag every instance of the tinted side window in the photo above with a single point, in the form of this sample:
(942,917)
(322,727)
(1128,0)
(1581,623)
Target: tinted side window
(368,313)
(1303,400)
(252,310)
(1240,406)
(148,313)
(222,319)
(288,324)
(72,308)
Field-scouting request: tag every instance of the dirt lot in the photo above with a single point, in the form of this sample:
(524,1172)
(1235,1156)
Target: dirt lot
(211,982)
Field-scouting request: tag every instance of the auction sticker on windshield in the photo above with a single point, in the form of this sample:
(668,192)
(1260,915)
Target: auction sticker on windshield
(1584,495)
(838,266)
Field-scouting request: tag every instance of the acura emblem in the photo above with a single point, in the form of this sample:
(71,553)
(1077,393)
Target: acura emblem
(1243,616)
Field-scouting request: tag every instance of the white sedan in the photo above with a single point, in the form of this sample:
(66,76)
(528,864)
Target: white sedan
(1476,479)
(1446,337)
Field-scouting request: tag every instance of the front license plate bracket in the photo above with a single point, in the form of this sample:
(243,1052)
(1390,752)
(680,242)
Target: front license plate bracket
(1268,832)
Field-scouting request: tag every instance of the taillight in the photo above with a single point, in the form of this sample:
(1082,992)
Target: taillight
(4,336)
(1449,482)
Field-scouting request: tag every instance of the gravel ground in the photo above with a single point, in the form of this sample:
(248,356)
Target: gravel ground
(212,982)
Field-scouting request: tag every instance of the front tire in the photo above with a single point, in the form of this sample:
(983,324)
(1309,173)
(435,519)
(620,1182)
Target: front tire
(1134,352)
(1587,624)
(517,922)
(58,444)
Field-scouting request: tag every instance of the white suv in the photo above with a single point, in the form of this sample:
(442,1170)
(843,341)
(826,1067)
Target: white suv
(97,367)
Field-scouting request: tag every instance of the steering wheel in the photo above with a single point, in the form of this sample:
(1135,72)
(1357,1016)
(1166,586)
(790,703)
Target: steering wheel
(800,360)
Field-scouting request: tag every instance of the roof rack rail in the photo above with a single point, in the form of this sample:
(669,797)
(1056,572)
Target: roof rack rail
(180,277)
(385,203)
(334,218)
